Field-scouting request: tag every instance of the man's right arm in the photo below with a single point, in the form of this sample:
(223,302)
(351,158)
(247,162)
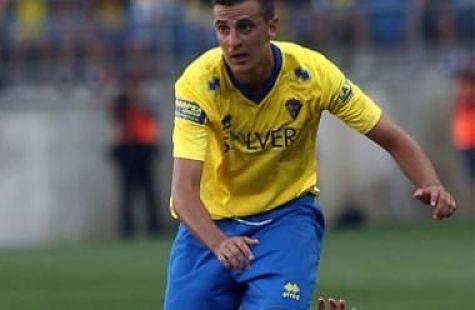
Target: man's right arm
(233,253)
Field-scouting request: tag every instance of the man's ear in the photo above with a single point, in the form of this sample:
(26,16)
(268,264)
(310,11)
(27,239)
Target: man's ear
(273,27)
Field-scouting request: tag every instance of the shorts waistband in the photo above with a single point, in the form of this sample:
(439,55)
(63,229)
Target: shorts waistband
(267,217)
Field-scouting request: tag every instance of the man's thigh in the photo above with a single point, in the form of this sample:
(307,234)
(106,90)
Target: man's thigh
(283,274)
(196,279)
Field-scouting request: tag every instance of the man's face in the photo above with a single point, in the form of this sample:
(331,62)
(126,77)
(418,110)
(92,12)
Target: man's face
(243,35)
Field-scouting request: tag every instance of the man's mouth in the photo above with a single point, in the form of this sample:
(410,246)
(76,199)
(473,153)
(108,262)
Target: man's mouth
(239,57)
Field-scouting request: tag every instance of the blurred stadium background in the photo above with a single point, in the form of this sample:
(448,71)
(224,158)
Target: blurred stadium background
(61,62)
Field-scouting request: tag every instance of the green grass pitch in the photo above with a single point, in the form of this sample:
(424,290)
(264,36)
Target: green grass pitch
(408,266)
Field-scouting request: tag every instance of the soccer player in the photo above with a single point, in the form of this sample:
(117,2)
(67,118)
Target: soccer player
(244,182)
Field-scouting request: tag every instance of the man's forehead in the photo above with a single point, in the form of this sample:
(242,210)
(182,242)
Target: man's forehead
(234,19)
(245,10)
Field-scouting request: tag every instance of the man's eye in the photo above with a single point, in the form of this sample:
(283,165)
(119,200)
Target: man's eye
(245,27)
(222,28)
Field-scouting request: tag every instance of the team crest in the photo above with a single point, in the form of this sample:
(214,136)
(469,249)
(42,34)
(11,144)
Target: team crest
(293,106)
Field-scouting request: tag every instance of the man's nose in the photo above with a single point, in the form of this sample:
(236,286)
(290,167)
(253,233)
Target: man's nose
(233,38)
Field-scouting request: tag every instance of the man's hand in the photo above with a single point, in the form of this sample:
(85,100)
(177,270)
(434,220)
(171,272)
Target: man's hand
(235,253)
(332,303)
(439,198)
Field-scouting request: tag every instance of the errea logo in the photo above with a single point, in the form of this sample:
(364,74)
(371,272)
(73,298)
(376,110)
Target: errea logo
(302,74)
(213,84)
(291,291)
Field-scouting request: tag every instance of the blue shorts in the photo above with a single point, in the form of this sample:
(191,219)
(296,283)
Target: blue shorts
(282,274)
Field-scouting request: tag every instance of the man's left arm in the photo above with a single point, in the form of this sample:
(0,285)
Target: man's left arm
(416,166)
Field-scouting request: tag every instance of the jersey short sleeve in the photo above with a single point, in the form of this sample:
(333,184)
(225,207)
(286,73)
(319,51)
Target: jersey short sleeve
(190,137)
(346,101)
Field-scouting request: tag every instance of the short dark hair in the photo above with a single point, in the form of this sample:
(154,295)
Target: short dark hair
(267,6)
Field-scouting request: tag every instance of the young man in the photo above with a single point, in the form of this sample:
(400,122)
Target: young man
(244,180)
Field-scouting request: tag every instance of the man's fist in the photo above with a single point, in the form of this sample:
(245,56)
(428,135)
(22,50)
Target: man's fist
(331,304)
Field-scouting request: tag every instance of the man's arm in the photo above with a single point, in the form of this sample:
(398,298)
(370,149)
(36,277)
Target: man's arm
(416,166)
(233,253)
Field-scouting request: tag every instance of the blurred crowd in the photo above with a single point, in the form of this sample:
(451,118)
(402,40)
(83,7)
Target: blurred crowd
(44,40)
(64,39)
(364,22)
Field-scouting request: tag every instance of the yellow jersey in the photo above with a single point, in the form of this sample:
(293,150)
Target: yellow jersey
(259,153)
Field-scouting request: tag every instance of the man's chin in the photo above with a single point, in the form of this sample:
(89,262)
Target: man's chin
(239,69)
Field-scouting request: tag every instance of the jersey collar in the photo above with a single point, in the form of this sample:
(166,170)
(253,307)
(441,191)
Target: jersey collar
(258,96)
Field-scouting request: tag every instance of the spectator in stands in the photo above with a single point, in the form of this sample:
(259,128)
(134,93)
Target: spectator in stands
(3,18)
(134,153)
(389,20)
(3,39)
(463,125)
(465,19)
(438,21)
(341,21)
(30,33)
(65,32)
(113,28)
